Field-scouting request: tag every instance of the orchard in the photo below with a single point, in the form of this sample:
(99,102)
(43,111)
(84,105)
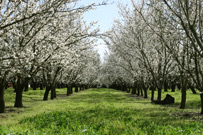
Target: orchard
(47,50)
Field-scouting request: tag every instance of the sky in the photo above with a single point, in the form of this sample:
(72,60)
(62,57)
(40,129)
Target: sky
(105,16)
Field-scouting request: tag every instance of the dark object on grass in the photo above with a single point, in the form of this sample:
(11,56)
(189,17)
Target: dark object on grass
(168,100)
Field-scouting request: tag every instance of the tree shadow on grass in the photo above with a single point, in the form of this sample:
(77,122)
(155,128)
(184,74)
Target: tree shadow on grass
(11,109)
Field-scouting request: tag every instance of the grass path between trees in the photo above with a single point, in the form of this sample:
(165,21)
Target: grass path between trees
(96,112)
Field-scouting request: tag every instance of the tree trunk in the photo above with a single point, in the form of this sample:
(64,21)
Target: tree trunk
(193,89)
(82,88)
(46,94)
(6,86)
(26,87)
(2,101)
(183,97)
(18,100)
(159,94)
(179,86)
(145,92)
(14,86)
(76,88)
(141,90)
(165,87)
(41,86)
(138,91)
(19,93)
(173,88)
(68,90)
(152,95)
(201,97)
(125,88)
(53,92)
(183,92)
(134,90)
(34,85)
(71,89)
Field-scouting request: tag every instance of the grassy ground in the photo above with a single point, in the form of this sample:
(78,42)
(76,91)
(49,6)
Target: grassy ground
(99,112)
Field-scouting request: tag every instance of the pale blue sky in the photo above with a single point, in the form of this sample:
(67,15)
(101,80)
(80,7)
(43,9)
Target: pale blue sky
(104,15)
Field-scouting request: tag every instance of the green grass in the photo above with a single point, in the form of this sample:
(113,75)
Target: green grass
(99,112)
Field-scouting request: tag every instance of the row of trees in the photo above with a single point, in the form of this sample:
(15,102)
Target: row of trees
(157,45)
(45,42)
